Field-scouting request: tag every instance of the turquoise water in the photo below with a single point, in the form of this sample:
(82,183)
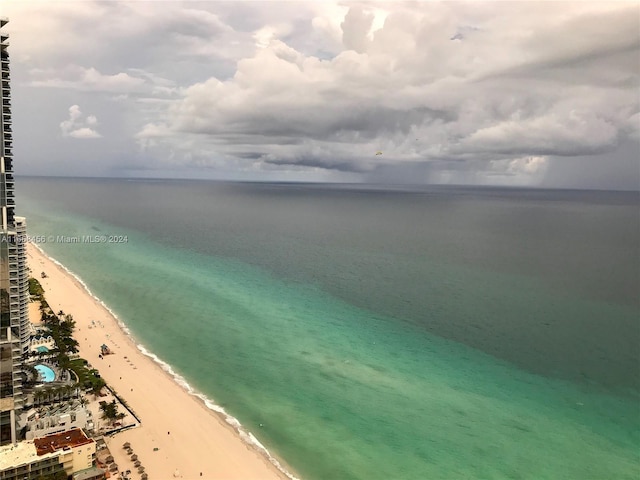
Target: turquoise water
(341,391)
(46,373)
(42,349)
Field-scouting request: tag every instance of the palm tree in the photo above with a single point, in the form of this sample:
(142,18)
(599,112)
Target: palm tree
(71,344)
(110,411)
(63,361)
(58,392)
(47,393)
(98,383)
(53,391)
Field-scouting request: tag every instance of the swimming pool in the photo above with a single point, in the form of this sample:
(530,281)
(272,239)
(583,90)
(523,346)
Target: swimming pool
(42,348)
(46,374)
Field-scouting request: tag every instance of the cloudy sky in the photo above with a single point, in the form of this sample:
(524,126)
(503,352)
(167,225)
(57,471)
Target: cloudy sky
(506,93)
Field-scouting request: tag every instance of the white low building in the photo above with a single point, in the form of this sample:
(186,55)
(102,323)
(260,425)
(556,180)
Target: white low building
(41,343)
(70,451)
(61,417)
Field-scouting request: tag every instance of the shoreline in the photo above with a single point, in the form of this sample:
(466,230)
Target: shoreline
(208,433)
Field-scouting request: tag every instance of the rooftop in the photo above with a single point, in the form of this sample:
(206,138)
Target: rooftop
(60,441)
(22,453)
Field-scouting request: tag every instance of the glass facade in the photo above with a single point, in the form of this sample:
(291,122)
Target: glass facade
(14,286)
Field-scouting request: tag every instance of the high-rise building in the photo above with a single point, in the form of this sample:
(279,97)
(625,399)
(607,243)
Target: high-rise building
(14,282)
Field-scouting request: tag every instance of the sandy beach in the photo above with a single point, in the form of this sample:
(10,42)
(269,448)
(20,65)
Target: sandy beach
(179,435)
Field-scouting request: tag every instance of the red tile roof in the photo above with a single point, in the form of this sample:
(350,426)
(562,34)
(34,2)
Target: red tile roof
(70,438)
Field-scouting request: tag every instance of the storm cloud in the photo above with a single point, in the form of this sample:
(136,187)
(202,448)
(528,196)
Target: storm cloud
(510,93)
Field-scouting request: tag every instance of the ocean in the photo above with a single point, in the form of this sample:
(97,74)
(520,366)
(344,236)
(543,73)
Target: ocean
(378,332)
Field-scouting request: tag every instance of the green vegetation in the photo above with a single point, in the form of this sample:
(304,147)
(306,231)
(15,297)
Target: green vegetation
(35,289)
(110,411)
(88,378)
(61,331)
(33,375)
(54,394)
(37,294)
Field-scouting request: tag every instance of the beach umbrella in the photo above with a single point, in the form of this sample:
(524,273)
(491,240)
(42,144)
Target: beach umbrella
(126,445)
(109,459)
(144,476)
(141,469)
(137,463)
(134,457)
(114,466)
(129,451)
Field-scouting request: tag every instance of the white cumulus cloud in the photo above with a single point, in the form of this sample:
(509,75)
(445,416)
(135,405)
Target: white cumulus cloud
(77,127)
